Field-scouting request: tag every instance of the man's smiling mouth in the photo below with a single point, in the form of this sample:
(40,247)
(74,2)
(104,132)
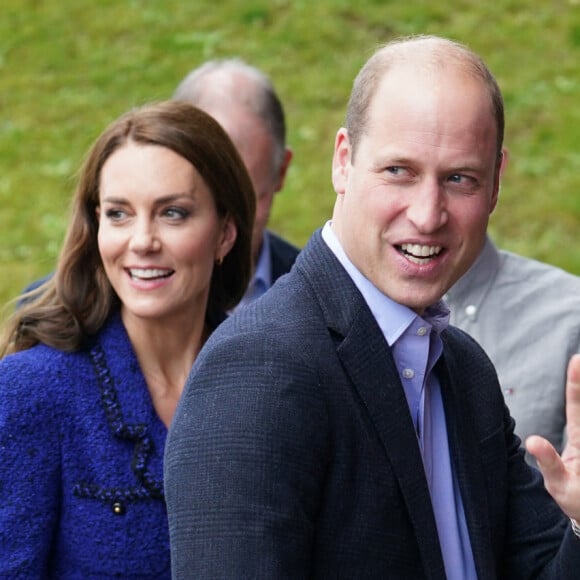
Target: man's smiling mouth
(419,254)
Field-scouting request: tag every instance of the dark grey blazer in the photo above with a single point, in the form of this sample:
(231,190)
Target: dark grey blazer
(282,255)
(292,453)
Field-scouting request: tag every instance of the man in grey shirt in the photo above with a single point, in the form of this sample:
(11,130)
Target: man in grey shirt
(526,315)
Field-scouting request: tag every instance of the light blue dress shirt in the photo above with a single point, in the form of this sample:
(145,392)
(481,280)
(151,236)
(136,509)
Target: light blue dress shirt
(416,345)
(262,278)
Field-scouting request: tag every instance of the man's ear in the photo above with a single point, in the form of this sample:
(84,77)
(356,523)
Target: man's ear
(341,161)
(501,166)
(281,177)
(503,161)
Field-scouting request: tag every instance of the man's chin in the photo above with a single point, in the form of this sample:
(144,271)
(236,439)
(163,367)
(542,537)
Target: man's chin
(419,302)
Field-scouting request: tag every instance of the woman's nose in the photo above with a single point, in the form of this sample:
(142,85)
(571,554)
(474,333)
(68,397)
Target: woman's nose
(144,238)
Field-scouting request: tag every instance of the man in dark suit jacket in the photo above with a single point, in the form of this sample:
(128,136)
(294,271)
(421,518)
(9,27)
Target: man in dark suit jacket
(243,100)
(339,427)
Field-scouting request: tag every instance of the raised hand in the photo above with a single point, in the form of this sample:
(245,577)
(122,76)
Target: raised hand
(562,473)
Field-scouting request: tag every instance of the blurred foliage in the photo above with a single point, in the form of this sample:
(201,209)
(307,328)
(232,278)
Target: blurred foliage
(68,67)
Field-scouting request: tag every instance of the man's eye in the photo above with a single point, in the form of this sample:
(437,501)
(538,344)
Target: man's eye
(464,180)
(395,170)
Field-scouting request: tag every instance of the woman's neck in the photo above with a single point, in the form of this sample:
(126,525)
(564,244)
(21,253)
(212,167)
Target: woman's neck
(166,352)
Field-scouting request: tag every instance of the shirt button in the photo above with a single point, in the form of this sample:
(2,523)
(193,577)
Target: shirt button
(421,331)
(408,373)
(118,508)
(471,310)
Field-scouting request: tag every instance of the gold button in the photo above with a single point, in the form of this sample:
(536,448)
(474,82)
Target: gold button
(118,508)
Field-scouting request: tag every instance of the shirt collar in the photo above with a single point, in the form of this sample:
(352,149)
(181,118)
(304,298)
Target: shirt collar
(393,318)
(261,281)
(263,273)
(475,283)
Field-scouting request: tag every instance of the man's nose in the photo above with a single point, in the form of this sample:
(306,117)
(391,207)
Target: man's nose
(427,208)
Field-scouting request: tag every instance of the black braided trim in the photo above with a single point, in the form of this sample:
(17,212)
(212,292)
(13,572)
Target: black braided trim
(149,487)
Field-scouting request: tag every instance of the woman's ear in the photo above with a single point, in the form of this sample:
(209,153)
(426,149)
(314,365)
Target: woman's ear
(228,238)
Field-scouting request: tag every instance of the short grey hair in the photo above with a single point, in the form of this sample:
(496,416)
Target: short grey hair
(259,96)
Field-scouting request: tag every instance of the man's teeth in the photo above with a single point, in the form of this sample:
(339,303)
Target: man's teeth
(419,254)
(148,273)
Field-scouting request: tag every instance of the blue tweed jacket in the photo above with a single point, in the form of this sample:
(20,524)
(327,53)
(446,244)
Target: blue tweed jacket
(81,451)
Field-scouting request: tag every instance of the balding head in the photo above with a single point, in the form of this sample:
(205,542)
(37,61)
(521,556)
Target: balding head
(220,86)
(422,53)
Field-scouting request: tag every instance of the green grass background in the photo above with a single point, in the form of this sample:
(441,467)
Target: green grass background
(69,67)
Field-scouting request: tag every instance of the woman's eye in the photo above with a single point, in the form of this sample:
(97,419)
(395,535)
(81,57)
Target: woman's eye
(176,213)
(115,214)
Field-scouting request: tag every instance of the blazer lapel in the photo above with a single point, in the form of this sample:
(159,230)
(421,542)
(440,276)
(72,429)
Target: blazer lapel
(369,364)
(466,459)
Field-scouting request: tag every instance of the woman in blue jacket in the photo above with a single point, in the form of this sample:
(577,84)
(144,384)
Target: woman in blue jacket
(94,360)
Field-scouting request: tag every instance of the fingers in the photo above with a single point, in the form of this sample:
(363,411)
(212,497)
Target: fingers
(544,452)
(573,399)
(550,464)
(562,474)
